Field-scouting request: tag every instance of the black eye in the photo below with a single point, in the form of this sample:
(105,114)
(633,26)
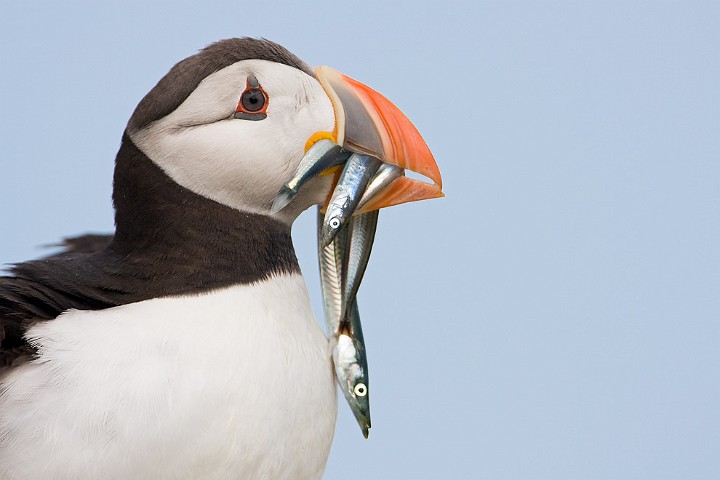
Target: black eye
(253,100)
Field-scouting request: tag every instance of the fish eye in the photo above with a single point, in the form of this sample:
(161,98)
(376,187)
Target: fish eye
(334,222)
(360,390)
(253,101)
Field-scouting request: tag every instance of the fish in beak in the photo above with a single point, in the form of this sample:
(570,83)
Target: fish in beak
(384,143)
(342,266)
(375,144)
(356,175)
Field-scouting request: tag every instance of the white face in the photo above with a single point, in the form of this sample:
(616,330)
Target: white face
(242,163)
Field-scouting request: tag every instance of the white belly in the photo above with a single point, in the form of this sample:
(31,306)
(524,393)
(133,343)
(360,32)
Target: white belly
(236,383)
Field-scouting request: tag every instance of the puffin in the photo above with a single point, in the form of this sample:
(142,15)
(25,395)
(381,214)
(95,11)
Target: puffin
(185,346)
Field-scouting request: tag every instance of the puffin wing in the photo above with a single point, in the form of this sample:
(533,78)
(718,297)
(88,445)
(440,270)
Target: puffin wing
(42,289)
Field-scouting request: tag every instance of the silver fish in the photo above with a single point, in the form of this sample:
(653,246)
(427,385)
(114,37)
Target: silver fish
(351,370)
(360,237)
(323,155)
(349,356)
(330,260)
(386,174)
(357,173)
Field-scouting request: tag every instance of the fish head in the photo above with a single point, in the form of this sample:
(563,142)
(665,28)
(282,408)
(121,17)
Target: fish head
(351,373)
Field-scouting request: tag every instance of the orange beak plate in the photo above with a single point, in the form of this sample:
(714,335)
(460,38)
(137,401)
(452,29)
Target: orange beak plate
(367,122)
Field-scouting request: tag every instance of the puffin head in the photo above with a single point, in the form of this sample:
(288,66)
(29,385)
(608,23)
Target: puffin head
(233,122)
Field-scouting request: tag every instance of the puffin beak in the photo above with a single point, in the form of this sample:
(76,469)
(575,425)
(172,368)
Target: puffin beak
(366,122)
(369,130)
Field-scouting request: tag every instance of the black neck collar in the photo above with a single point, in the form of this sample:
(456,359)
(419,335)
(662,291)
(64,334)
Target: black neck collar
(195,242)
(169,241)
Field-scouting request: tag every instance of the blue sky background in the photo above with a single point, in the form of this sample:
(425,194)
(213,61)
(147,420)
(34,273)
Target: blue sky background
(557,316)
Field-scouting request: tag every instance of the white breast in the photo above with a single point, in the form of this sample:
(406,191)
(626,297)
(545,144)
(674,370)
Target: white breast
(236,383)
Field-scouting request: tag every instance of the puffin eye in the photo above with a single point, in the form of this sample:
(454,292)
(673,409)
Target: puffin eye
(253,101)
(360,390)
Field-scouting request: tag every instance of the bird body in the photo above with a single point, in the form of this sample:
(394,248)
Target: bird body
(225,384)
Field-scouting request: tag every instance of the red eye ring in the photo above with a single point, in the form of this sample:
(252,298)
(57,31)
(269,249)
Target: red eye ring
(253,102)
